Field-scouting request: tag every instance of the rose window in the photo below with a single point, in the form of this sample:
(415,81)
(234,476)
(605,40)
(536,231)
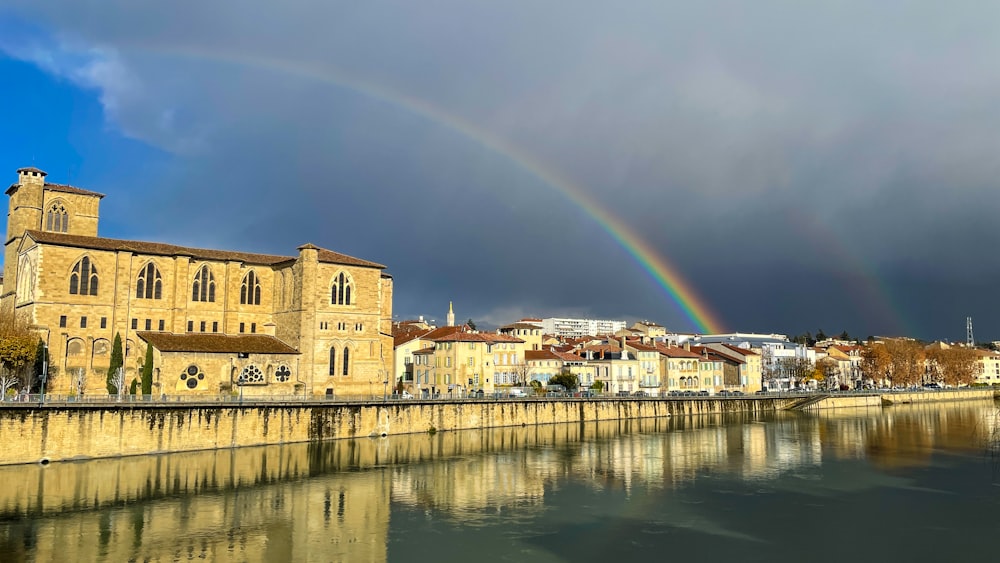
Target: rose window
(252,375)
(283,374)
(191,376)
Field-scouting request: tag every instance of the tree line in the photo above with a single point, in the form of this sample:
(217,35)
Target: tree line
(908,362)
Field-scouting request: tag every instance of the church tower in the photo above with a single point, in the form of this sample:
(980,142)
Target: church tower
(37,205)
(24,212)
(451,315)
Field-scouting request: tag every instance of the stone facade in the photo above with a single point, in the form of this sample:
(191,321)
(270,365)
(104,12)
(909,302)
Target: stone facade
(80,290)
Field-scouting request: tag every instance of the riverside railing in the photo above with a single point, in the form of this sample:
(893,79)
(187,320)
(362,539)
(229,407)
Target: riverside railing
(174,400)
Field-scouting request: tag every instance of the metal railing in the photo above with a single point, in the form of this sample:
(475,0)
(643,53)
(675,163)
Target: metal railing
(587,395)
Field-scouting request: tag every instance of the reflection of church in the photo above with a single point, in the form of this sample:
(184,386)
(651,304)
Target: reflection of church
(315,323)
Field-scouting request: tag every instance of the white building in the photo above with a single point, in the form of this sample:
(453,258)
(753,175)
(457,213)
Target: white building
(576,328)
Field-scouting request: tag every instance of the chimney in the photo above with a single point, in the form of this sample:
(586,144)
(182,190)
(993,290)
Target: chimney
(687,345)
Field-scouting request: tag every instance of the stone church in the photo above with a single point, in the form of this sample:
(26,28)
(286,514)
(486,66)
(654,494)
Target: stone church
(219,322)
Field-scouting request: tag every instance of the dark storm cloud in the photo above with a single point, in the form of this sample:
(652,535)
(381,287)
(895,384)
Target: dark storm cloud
(788,157)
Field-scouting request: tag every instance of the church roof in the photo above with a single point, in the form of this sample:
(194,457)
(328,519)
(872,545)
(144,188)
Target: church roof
(216,343)
(160,249)
(58,188)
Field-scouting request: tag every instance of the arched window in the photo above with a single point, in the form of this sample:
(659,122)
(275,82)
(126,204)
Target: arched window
(56,219)
(250,289)
(149,285)
(347,356)
(340,292)
(83,279)
(333,361)
(203,288)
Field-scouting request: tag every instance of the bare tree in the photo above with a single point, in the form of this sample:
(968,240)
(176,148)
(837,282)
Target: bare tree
(522,373)
(118,381)
(80,381)
(8,381)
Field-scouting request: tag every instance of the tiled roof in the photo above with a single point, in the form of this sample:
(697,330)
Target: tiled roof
(216,343)
(71,190)
(676,352)
(474,337)
(535,355)
(57,188)
(738,350)
(32,169)
(331,257)
(160,249)
(525,326)
(403,336)
(423,351)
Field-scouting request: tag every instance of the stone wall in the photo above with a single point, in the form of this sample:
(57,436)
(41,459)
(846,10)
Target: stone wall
(56,433)
(977,394)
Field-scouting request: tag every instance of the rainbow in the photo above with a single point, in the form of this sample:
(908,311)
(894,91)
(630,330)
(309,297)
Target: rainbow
(872,295)
(662,272)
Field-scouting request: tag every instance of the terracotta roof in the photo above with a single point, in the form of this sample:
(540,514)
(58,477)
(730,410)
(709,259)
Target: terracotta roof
(535,355)
(642,347)
(32,169)
(216,343)
(738,350)
(474,337)
(423,351)
(676,352)
(715,355)
(403,336)
(160,249)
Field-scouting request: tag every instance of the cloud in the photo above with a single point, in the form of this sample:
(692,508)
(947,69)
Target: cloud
(765,150)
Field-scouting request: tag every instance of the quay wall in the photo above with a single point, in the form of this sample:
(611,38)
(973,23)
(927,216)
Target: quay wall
(61,432)
(48,433)
(938,396)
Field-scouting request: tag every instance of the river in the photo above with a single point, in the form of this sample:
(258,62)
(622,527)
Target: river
(904,483)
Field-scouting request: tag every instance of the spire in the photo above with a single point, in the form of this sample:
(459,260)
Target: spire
(451,315)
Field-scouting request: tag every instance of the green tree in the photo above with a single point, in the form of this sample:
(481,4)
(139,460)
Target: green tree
(820,335)
(598,386)
(147,372)
(41,358)
(133,387)
(117,361)
(566,379)
(17,349)
(471,323)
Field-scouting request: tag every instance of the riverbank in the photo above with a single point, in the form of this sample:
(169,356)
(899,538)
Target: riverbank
(45,433)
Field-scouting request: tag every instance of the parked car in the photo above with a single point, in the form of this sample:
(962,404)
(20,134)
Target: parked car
(703,393)
(518,393)
(674,393)
(640,394)
(622,393)
(934,386)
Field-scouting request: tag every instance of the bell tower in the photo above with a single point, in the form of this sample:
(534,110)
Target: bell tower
(24,212)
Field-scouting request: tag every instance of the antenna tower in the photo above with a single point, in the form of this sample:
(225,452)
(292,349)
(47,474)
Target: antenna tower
(970,341)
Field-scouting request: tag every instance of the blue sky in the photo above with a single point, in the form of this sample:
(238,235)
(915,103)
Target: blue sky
(804,166)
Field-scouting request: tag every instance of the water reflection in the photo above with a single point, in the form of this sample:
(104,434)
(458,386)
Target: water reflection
(349,499)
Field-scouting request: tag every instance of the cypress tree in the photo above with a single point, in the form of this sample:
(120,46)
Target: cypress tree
(117,361)
(147,371)
(41,356)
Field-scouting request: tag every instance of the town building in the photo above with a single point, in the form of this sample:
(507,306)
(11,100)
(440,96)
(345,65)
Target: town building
(577,328)
(220,322)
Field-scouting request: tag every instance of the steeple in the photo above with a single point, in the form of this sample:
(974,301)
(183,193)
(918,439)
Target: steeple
(451,315)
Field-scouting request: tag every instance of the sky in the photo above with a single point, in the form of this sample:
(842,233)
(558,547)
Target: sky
(794,165)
